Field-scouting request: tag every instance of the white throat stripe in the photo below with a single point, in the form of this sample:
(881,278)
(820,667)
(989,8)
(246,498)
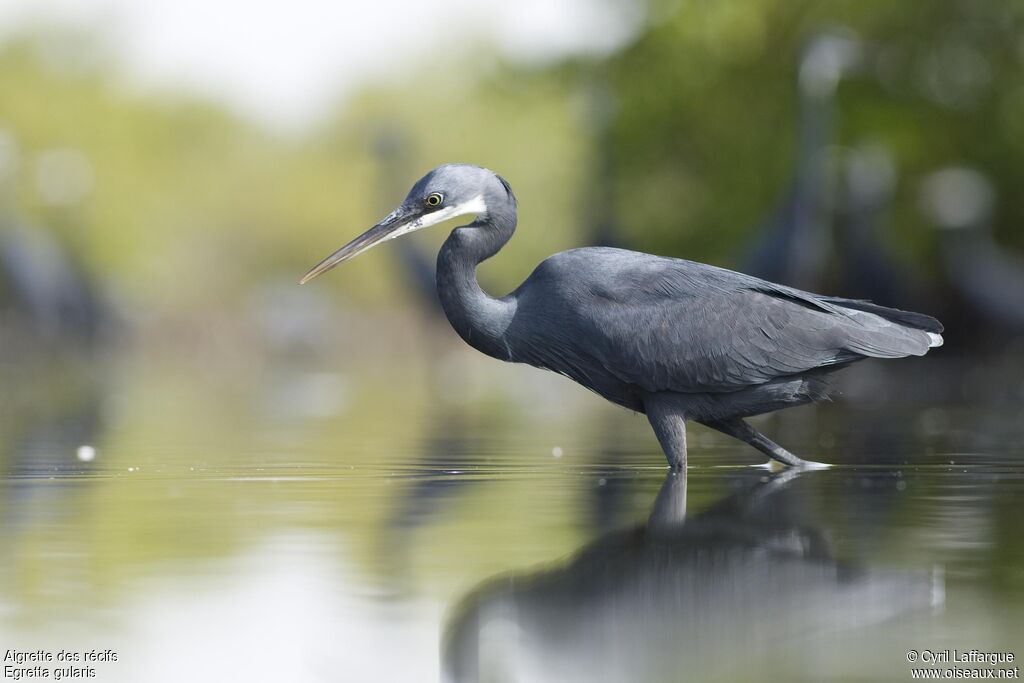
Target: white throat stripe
(476,205)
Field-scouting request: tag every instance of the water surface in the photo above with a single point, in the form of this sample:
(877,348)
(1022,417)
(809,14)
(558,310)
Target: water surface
(270,520)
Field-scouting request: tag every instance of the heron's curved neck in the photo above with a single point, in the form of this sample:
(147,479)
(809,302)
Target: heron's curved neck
(480,319)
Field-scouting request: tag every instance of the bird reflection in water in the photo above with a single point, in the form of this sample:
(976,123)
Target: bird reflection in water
(678,598)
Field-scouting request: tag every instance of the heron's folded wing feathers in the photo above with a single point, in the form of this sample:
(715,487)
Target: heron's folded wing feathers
(715,336)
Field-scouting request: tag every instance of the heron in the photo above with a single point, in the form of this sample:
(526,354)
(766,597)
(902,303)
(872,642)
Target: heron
(794,243)
(869,184)
(673,339)
(960,202)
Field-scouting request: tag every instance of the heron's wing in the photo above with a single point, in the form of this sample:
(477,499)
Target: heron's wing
(693,328)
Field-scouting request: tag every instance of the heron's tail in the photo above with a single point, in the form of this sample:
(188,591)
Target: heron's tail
(886,342)
(919,321)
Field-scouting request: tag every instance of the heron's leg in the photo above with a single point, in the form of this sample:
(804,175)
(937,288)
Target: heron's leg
(669,422)
(739,429)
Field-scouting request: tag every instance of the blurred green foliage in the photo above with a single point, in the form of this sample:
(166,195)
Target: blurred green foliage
(193,206)
(703,147)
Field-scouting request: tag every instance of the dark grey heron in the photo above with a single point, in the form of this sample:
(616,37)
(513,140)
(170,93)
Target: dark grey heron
(986,276)
(673,339)
(43,283)
(869,184)
(794,243)
(47,286)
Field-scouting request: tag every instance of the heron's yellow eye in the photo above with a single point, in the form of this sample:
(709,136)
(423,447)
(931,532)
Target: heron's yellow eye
(434,199)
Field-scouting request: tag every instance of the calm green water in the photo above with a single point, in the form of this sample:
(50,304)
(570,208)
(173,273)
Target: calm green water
(251,518)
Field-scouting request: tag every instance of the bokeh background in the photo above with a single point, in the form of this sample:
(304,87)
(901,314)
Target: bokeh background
(196,451)
(184,166)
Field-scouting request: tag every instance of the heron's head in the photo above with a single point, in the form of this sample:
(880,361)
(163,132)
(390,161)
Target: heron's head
(448,191)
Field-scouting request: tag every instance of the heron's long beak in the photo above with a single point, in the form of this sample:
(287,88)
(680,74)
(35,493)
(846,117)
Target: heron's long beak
(397,223)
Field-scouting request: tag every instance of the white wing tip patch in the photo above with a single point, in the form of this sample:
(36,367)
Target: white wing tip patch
(934,340)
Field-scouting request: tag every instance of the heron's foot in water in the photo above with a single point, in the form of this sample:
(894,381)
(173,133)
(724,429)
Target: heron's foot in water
(800,465)
(737,428)
(815,465)
(780,455)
